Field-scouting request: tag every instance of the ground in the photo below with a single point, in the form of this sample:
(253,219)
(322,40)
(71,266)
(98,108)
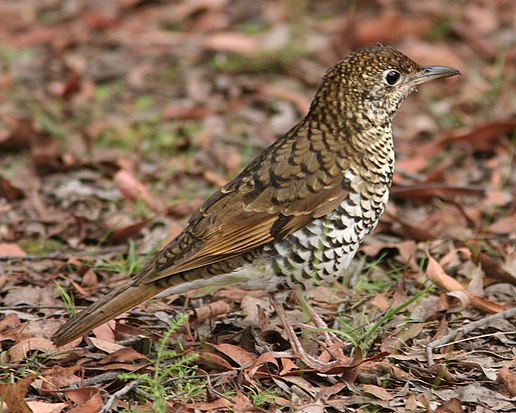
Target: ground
(117,119)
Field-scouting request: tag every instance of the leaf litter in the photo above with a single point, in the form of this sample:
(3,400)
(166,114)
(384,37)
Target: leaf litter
(117,119)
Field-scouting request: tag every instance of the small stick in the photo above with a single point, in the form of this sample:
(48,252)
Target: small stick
(466,329)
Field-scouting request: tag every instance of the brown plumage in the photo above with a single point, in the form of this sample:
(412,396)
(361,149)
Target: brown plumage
(297,214)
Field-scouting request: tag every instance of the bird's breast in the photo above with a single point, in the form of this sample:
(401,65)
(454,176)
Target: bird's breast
(322,250)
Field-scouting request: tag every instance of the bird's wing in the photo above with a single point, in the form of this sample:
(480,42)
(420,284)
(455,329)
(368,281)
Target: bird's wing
(283,190)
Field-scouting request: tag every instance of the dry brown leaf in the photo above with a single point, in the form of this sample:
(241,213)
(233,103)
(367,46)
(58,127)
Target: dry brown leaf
(105,333)
(301,102)
(9,191)
(213,406)
(482,137)
(506,225)
(377,391)
(132,189)
(288,366)
(14,333)
(437,275)
(213,361)
(232,42)
(381,302)
(19,351)
(10,249)
(451,406)
(88,399)
(44,407)
(250,308)
(242,357)
(57,378)
(123,355)
(243,404)
(507,377)
(14,394)
(121,235)
(388,27)
(104,345)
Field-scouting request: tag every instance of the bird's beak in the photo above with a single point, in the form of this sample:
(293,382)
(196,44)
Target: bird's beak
(427,73)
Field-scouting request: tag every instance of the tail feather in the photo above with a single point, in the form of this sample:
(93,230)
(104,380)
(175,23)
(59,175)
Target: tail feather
(111,305)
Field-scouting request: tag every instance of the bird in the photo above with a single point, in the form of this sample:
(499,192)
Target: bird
(296,215)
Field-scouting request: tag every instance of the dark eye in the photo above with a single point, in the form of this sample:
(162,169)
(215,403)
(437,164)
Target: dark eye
(391,77)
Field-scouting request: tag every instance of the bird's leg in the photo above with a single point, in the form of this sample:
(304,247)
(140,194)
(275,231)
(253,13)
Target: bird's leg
(297,348)
(330,338)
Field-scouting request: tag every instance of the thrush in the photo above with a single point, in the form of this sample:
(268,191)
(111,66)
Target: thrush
(296,215)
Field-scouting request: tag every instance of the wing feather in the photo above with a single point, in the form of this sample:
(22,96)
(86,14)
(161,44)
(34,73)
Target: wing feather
(271,199)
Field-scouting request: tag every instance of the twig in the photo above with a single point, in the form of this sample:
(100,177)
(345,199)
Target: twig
(468,328)
(124,390)
(94,381)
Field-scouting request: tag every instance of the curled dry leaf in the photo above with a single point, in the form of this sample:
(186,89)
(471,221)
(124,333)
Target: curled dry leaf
(212,310)
(437,275)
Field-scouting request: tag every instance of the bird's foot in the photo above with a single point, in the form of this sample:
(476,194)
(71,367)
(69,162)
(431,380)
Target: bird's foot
(333,349)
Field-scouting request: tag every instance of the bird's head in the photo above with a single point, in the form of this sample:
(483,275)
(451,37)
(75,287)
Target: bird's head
(378,79)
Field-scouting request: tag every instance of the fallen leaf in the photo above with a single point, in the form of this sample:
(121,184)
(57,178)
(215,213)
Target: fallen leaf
(20,350)
(437,275)
(377,391)
(506,225)
(242,357)
(213,406)
(104,345)
(482,137)
(508,377)
(44,407)
(88,400)
(57,378)
(132,189)
(233,42)
(243,404)
(14,394)
(388,27)
(8,249)
(9,191)
(451,406)
(123,355)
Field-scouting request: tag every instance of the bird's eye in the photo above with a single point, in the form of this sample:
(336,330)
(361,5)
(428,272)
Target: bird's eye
(391,77)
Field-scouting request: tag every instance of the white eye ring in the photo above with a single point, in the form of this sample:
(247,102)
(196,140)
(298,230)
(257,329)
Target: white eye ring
(391,77)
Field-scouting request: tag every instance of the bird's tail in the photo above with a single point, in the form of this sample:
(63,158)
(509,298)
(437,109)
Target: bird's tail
(114,303)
